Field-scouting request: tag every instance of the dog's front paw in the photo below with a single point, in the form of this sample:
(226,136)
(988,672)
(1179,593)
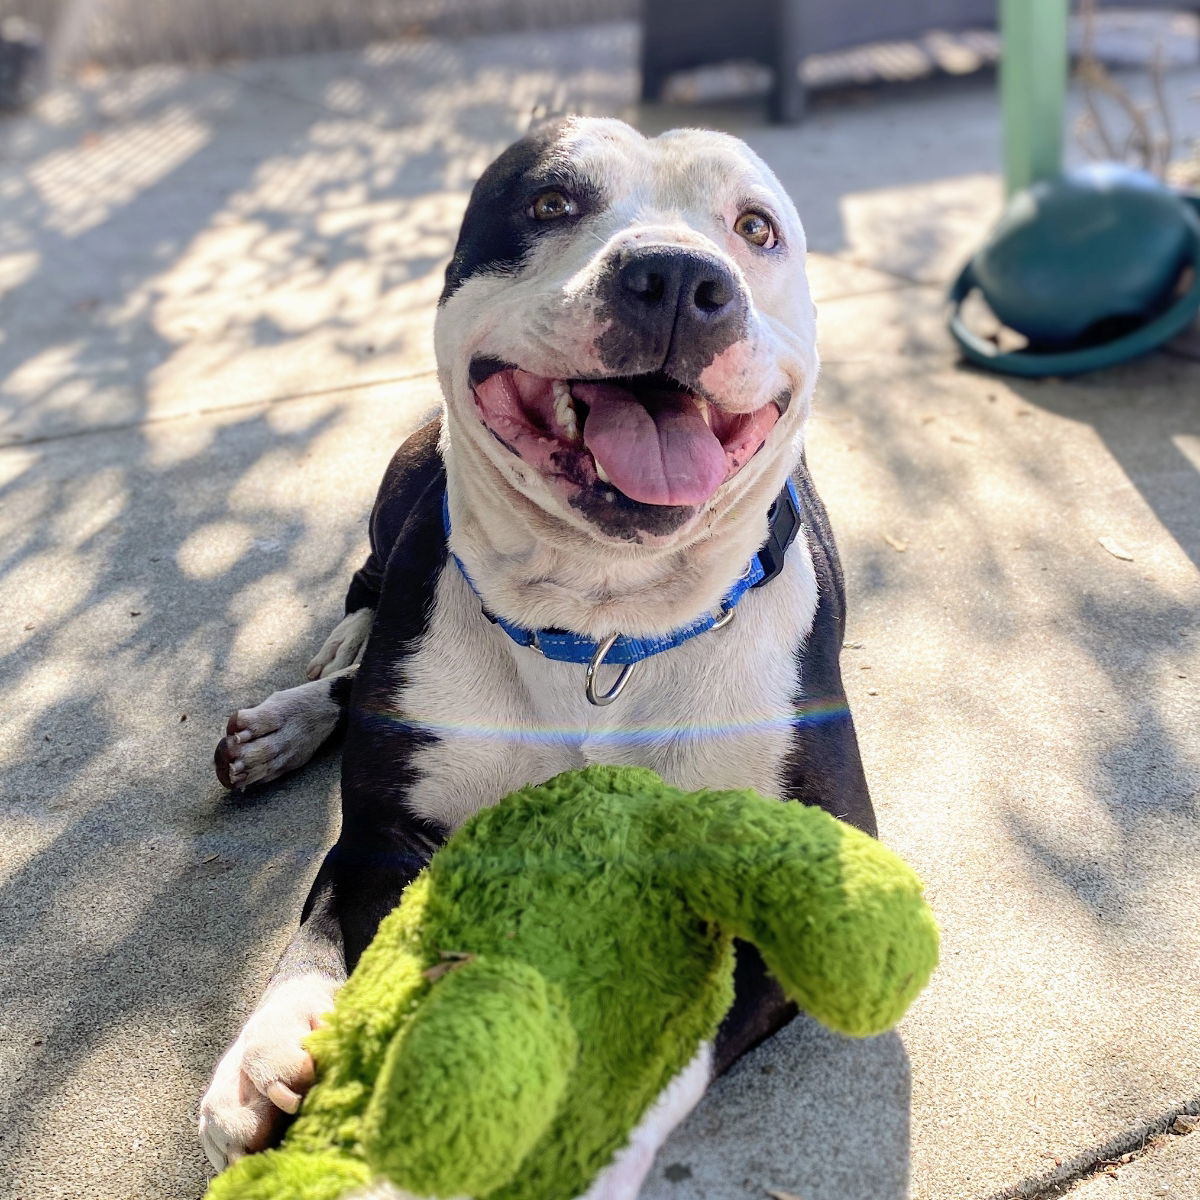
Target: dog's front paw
(265,1073)
(274,737)
(342,646)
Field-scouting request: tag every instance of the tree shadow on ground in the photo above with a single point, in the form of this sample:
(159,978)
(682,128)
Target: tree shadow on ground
(1140,638)
(218,290)
(1024,705)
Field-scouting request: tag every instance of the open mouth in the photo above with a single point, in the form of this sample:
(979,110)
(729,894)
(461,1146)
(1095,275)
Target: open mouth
(646,435)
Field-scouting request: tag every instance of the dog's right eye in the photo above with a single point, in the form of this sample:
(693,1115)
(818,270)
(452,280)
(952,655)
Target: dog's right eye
(550,206)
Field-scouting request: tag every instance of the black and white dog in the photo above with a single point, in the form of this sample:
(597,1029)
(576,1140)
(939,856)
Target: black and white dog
(607,550)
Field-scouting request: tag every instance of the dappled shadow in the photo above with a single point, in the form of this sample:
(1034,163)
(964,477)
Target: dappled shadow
(988,498)
(1139,638)
(217,294)
(1153,436)
(1027,721)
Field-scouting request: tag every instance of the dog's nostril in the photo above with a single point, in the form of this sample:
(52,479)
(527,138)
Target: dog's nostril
(712,295)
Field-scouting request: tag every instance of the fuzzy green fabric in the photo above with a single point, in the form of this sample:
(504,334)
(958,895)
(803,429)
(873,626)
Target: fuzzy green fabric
(560,960)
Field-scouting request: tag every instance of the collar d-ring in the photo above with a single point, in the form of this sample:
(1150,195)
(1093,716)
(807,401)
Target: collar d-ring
(600,699)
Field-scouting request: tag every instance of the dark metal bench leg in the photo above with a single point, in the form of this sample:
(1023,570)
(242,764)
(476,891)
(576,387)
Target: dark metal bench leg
(652,84)
(788,99)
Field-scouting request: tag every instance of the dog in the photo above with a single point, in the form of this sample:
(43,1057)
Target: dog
(606,549)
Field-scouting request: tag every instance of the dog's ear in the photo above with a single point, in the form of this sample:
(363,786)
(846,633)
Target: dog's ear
(839,919)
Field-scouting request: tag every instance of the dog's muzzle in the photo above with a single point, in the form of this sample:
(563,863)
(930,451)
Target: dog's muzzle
(669,308)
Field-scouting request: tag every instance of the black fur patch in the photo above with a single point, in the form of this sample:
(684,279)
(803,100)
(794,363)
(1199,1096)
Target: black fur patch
(383,844)
(340,688)
(410,472)
(497,230)
(824,766)
(760,1008)
(615,514)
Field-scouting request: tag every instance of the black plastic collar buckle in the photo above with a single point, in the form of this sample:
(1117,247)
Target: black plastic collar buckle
(783,523)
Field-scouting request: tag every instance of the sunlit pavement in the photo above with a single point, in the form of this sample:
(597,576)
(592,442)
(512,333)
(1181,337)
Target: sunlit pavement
(217,292)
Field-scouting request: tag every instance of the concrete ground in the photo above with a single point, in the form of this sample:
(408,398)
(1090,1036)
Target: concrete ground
(216,293)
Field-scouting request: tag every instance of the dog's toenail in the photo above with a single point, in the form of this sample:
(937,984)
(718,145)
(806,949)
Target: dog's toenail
(283,1097)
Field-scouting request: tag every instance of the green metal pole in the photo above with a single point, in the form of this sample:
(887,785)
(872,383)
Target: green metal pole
(1033,88)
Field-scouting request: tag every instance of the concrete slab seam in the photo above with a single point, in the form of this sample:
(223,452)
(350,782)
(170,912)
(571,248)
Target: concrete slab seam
(1075,1170)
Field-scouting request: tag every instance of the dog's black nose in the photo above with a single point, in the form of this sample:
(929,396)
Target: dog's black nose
(691,286)
(674,301)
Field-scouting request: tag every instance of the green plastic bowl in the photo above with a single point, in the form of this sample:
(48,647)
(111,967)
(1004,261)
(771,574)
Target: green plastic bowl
(1088,268)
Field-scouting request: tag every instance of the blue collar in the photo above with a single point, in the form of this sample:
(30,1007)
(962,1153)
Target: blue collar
(564,646)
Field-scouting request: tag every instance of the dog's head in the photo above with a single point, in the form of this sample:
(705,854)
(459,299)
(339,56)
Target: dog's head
(626,335)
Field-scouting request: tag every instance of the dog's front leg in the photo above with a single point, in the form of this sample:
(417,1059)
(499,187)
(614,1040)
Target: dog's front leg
(267,1070)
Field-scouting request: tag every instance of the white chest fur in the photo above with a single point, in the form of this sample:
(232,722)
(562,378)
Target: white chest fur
(714,712)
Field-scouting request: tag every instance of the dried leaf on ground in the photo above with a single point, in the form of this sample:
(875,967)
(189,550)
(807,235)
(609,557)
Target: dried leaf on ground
(775,1194)
(1185,1123)
(895,543)
(1115,549)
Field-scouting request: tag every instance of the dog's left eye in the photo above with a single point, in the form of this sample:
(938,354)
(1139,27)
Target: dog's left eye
(755,228)
(550,206)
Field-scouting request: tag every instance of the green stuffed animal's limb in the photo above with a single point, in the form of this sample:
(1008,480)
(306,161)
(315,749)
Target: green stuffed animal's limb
(287,1174)
(840,920)
(472,1082)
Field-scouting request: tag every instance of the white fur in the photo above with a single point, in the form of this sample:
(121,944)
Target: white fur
(714,712)
(344,646)
(282,733)
(237,1113)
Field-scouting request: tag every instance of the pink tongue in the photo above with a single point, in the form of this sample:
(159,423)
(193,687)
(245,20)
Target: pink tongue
(656,450)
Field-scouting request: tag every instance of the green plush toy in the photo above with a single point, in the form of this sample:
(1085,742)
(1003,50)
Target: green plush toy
(559,962)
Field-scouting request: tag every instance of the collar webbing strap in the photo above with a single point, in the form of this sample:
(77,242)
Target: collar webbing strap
(563,646)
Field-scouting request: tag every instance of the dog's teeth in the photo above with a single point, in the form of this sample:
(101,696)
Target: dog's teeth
(702,405)
(564,408)
(601,472)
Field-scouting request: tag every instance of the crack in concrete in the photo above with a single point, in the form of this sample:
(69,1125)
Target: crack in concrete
(1150,1136)
(19,441)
